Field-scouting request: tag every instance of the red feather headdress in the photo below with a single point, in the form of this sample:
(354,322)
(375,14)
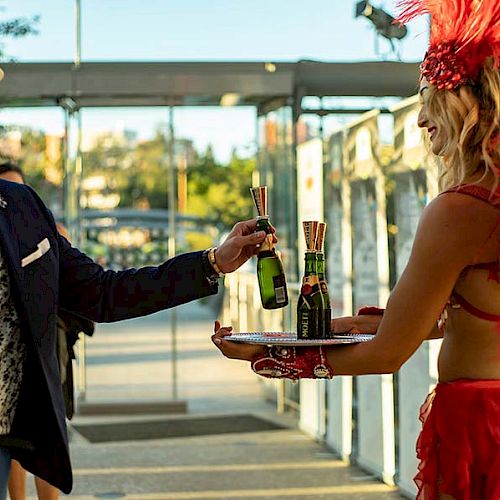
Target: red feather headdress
(464,33)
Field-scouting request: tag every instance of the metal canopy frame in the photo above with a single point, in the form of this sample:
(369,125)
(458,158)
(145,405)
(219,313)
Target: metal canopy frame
(263,85)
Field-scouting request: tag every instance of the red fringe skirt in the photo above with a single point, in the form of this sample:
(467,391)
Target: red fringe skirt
(459,446)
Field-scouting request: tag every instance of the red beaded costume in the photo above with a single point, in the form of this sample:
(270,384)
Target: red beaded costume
(459,446)
(464,33)
(293,363)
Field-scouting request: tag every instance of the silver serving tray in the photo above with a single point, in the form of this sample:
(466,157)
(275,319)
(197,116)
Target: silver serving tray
(290,338)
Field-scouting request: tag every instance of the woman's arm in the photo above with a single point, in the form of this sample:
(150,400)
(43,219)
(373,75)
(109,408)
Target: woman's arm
(436,333)
(445,243)
(369,323)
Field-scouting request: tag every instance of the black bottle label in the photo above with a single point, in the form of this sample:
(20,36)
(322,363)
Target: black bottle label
(280,289)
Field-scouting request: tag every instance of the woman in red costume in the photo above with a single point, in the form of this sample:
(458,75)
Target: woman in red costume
(451,285)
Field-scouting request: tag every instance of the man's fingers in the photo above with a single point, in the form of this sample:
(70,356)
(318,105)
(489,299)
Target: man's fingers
(216,326)
(245,227)
(252,239)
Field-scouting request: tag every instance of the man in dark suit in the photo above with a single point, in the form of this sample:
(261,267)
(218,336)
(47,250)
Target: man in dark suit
(40,272)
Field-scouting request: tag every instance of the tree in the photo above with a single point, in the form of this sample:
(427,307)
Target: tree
(16,28)
(136,171)
(221,192)
(38,165)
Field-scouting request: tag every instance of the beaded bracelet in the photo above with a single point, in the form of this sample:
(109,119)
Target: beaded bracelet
(293,363)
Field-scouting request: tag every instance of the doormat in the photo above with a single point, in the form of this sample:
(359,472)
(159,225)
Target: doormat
(162,429)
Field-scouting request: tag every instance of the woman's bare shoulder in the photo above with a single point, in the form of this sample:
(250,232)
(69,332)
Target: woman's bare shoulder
(460,211)
(457,221)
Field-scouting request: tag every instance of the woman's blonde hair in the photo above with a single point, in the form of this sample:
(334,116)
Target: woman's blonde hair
(471,117)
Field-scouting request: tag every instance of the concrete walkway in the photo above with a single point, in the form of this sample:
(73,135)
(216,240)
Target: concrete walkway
(131,361)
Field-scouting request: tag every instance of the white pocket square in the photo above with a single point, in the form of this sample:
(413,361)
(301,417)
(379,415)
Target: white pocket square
(43,248)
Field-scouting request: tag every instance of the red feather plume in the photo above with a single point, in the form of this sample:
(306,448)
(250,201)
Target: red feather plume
(464,33)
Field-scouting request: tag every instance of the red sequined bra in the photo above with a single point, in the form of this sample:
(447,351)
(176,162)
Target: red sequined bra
(493,268)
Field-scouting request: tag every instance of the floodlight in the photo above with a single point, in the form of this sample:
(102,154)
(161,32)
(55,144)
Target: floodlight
(383,22)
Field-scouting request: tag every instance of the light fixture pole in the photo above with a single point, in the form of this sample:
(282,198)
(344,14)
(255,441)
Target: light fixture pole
(73,180)
(78,31)
(172,178)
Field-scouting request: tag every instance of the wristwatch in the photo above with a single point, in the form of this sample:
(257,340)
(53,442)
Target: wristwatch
(212,270)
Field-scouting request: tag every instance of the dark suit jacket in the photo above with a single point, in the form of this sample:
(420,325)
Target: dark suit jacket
(65,277)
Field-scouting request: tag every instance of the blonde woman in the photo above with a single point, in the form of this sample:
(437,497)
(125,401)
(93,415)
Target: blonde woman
(451,285)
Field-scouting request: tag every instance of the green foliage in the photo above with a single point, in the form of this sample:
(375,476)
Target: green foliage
(37,166)
(219,191)
(139,173)
(136,171)
(17,28)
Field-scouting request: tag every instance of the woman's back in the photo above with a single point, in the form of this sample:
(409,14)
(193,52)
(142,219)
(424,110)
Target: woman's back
(471,345)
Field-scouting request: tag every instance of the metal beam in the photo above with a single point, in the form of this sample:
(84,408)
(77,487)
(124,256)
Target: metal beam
(198,84)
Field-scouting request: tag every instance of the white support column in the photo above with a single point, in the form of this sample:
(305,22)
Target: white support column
(310,207)
(339,426)
(375,398)
(376,426)
(419,374)
(339,268)
(312,407)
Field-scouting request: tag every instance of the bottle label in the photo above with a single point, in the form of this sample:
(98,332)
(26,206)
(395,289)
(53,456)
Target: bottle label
(310,280)
(280,289)
(307,324)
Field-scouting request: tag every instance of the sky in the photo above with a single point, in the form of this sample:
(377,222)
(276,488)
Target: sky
(195,30)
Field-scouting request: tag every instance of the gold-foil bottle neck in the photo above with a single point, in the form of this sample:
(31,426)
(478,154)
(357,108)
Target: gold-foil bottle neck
(259,196)
(320,238)
(310,233)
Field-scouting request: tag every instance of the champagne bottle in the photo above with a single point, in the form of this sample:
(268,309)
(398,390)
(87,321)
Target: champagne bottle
(327,309)
(310,323)
(270,274)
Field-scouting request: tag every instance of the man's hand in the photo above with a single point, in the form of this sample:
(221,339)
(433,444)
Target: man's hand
(241,243)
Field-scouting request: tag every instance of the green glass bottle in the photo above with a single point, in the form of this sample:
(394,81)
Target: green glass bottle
(321,269)
(326,309)
(272,282)
(270,273)
(308,307)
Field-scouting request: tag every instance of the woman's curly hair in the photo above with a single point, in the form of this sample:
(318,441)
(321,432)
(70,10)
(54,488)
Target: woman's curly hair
(470,115)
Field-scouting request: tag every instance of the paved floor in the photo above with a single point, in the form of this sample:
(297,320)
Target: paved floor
(131,361)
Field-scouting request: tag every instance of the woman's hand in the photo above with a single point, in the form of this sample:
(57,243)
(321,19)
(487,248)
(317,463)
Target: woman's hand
(366,323)
(235,350)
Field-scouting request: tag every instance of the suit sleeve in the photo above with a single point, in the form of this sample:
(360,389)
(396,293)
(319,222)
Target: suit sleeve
(85,288)
(106,295)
